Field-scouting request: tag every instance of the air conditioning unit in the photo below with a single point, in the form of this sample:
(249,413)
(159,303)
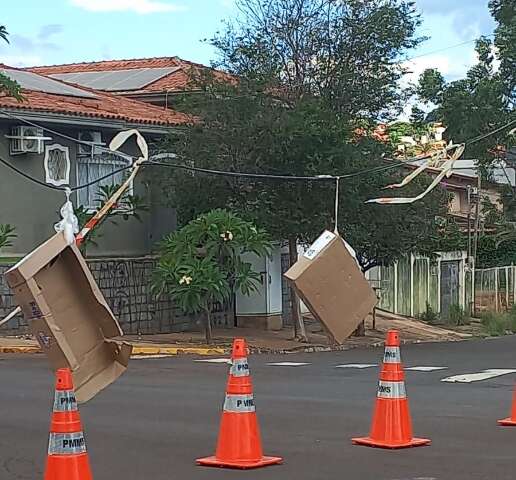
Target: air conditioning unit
(93,139)
(26,139)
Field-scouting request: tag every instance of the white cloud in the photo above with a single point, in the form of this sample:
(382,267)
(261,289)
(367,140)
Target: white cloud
(137,6)
(20,60)
(450,67)
(25,50)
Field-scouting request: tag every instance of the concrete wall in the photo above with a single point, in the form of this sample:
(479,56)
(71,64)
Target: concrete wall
(33,209)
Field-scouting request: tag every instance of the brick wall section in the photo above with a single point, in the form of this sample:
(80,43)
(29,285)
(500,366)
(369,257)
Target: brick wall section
(125,284)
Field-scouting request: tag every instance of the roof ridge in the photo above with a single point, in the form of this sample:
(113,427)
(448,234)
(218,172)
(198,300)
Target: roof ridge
(175,57)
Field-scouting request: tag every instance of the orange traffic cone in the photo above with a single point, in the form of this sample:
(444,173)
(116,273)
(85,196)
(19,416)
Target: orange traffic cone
(67,457)
(239,444)
(510,421)
(391,426)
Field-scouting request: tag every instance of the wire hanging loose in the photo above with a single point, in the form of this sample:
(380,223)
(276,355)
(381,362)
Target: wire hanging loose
(337,182)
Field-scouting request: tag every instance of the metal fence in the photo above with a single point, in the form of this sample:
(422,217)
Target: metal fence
(126,285)
(495,289)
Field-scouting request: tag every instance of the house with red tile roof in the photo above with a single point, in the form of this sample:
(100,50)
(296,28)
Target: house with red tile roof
(57,135)
(153,80)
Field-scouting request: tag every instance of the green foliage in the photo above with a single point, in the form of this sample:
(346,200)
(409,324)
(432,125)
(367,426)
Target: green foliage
(484,100)
(344,52)
(244,130)
(7,234)
(201,264)
(504,12)
(457,316)
(429,315)
(294,111)
(7,85)
(431,86)
(498,324)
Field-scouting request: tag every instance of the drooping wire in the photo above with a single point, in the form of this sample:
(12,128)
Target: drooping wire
(55,187)
(395,164)
(489,134)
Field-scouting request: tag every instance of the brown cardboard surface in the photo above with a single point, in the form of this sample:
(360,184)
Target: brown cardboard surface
(332,286)
(69,316)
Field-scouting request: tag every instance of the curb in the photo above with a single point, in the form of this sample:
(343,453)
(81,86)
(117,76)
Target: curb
(225,350)
(144,351)
(20,349)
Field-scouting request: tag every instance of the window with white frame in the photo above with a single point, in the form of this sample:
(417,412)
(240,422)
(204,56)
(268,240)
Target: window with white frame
(94,166)
(57,164)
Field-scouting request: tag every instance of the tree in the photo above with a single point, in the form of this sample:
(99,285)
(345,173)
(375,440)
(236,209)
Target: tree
(346,52)
(7,85)
(309,74)
(476,105)
(201,264)
(483,100)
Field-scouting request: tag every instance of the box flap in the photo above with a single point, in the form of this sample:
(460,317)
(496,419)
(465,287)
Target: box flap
(69,315)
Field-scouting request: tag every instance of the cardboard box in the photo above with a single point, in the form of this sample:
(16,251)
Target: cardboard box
(332,286)
(69,316)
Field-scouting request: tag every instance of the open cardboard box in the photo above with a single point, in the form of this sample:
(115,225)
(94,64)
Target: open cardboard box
(69,316)
(330,283)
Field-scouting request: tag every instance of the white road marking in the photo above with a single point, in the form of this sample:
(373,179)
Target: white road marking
(425,369)
(476,377)
(288,364)
(357,365)
(215,360)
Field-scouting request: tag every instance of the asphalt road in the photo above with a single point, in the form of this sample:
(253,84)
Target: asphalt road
(164,413)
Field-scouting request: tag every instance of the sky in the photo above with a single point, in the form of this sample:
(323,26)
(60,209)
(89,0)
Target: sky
(65,31)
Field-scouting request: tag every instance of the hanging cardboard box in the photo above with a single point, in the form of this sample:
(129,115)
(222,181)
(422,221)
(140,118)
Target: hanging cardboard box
(332,286)
(69,316)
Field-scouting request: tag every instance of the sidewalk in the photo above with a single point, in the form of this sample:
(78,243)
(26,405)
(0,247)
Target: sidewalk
(260,341)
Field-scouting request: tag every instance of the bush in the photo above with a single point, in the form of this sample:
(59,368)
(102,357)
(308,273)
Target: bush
(497,324)
(457,316)
(429,315)
(201,264)
(7,235)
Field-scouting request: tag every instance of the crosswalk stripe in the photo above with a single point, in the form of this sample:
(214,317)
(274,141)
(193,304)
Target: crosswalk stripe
(357,365)
(288,364)
(476,377)
(425,369)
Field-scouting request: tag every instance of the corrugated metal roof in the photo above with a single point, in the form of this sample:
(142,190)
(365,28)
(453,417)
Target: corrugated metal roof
(116,80)
(39,83)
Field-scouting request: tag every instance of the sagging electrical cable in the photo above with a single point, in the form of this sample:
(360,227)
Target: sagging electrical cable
(62,189)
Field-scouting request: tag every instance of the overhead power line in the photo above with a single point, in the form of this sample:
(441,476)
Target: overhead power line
(444,49)
(264,176)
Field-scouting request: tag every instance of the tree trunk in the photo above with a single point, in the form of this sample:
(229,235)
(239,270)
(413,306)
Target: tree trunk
(360,331)
(207,325)
(297,318)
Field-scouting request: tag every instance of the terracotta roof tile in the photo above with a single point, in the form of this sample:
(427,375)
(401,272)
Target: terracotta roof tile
(177,81)
(156,62)
(105,106)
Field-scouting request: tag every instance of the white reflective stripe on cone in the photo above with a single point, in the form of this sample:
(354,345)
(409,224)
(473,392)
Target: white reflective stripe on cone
(391,389)
(392,355)
(239,367)
(65,401)
(239,403)
(66,443)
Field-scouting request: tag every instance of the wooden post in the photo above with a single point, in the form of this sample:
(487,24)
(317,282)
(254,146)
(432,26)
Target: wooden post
(297,317)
